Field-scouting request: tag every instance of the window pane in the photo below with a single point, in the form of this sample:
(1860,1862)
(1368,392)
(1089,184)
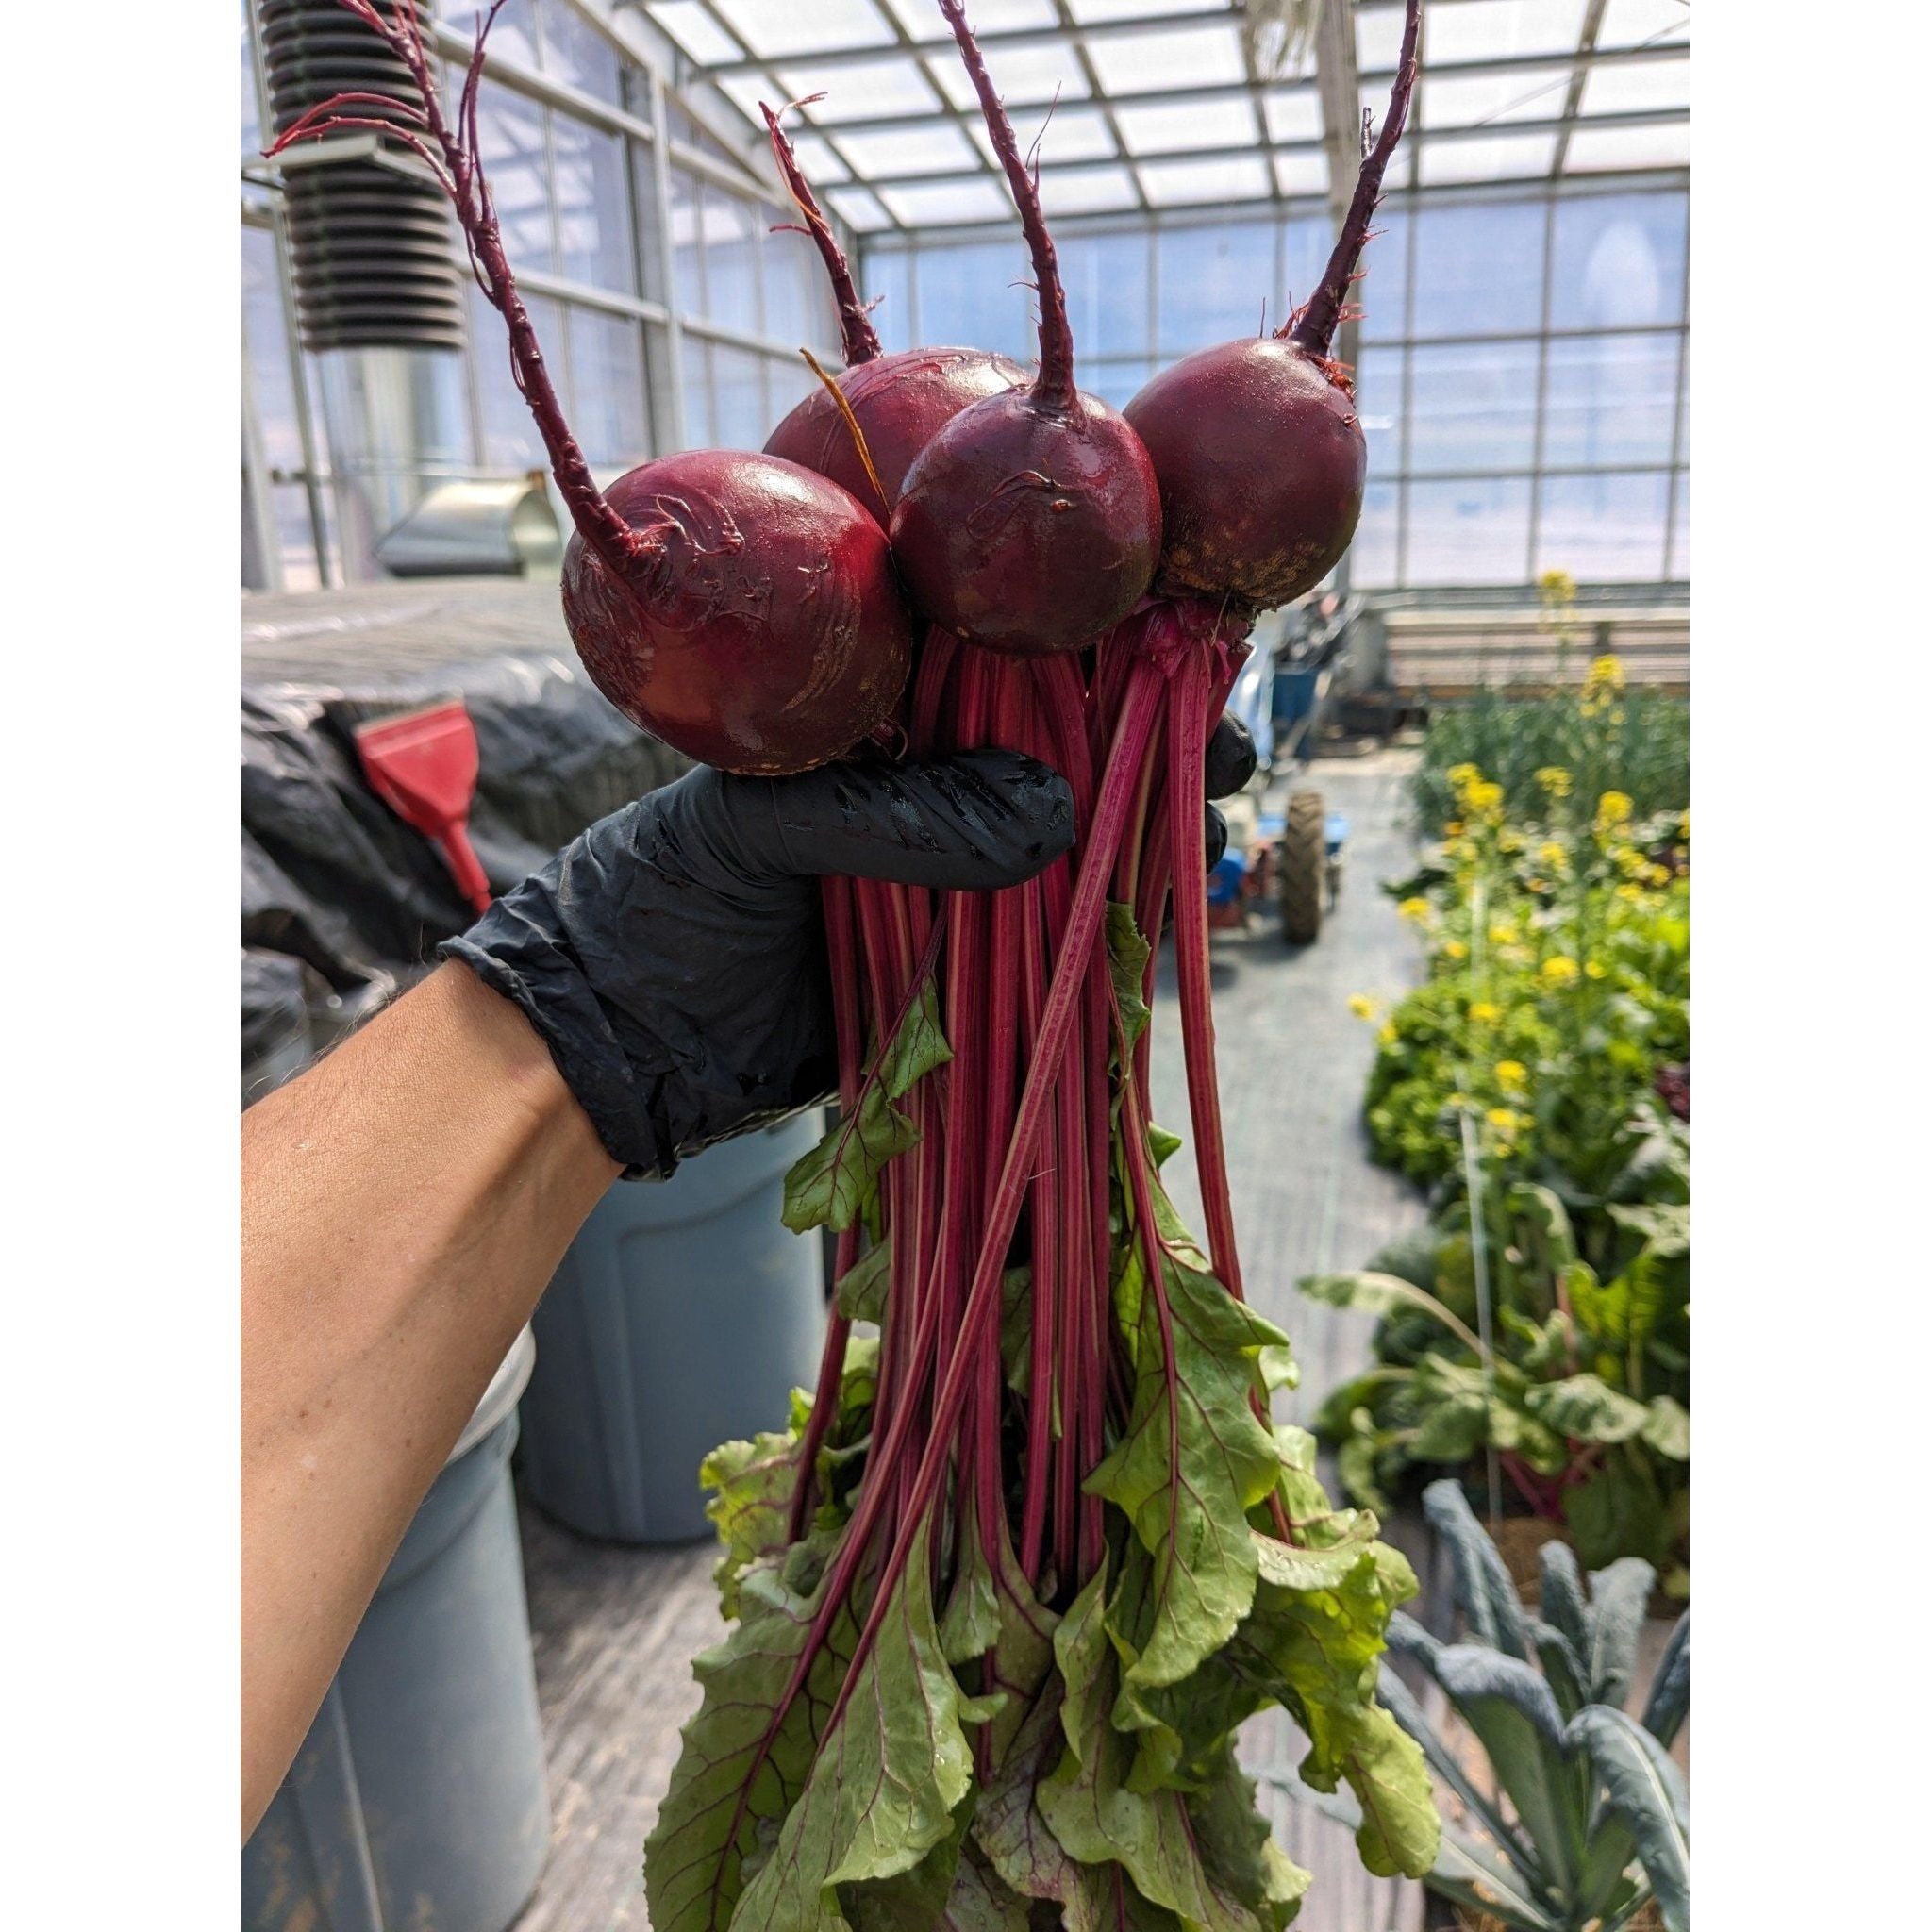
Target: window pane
(607,369)
(509,437)
(1372,555)
(1107,279)
(265,339)
(1679,565)
(294,535)
(1211,283)
(697,394)
(1471,406)
(687,261)
(251,103)
(1603,529)
(1611,400)
(798,308)
(1383,291)
(743,418)
(885,281)
(731,262)
(1378,405)
(1478,269)
(1475,532)
(1619,260)
(574,51)
(511,135)
(592,211)
(973,294)
(1116,382)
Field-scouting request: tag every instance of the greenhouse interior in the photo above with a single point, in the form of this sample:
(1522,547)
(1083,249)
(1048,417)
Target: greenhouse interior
(974,715)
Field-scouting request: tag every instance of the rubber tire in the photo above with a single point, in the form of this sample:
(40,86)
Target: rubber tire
(1302,857)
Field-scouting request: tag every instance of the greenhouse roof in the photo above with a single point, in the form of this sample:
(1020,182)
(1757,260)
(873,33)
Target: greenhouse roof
(1164,104)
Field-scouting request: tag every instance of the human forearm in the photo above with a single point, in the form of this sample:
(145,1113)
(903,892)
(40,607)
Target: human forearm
(403,1204)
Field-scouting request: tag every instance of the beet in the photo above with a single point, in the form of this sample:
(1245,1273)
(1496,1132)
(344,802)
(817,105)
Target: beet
(1031,521)
(743,609)
(760,629)
(1257,442)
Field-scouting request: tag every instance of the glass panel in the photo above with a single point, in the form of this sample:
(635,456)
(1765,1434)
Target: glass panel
(251,105)
(1211,283)
(855,90)
(1383,291)
(1144,63)
(1465,100)
(514,36)
(920,20)
(1372,555)
(1619,260)
(1630,23)
(1603,529)
(972,294)
(1115,382)
(607,369)
(940,149)
(265,341)
(732,237)
(509,132)
(687,258)
(798,308)
(592,211)
(1478,269)
(695,29)
(963,201)
(1125,9)
(1474,532)
(1629,86)
(1493,29)
(1169,184)
(744,417)
(1086,190)
(1225,121)
(885,281)
(1598,150)
(509,437)
(575,52)
(1378,406)
(1107,279)
(818,158)
(1491,158)
(697,372)
(1301,174)
(1611,401)
(788,383)
(1679,564)
(783,26)
(860,208)
(1064,134)
(1295,115)
(294,535)
(1020,74)
(1471,406)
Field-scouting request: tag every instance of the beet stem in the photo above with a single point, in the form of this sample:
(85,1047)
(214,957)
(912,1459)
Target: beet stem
(861,341)
(1053,384)
(463,180)
(1313,329)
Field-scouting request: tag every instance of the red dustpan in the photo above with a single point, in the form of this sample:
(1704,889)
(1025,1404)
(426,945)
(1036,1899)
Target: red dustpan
(423,766)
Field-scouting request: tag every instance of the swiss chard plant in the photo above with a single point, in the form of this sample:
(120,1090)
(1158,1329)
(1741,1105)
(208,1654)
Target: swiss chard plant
(1570,1815)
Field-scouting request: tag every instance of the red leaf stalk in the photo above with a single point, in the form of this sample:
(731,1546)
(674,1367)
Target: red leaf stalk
(861,339)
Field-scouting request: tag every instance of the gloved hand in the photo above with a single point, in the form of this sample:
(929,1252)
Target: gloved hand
(673,958)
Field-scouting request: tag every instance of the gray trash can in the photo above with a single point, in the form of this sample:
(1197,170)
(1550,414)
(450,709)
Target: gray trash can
(684,1314)
(418,1798)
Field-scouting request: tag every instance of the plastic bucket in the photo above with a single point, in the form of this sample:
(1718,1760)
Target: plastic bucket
(418,1798)
(683,1315)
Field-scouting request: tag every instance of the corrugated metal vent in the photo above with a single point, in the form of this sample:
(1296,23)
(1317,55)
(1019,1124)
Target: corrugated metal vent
(374,250)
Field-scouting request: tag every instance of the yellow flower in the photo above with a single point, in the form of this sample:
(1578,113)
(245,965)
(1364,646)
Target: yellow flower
(1416,910)
(1462,776)
(1501,933)
(1612,808)
(1485,798)
(1604,674)
(1630,893)
(1362,1007)
(1554,780)
(1506,1119)
(1454,828)
(1485,1012)
(1556,587)
(1512,1075)
(1559,970)
(1592,969)
(1658,874)
(1538,885)
(1387,1033)
(1455,949)
(1509,842)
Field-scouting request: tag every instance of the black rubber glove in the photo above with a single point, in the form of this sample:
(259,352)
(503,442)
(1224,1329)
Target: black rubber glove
(674,956)
(1230,763)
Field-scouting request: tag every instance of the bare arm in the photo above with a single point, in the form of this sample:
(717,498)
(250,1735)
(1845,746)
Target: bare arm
(403,1204)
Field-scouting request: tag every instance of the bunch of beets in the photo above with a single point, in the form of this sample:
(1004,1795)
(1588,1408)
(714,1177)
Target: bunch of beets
(1006,1587)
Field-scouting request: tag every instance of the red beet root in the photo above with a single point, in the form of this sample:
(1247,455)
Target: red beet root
(741,607)
(1031,521)
(1256,444)
(760,629)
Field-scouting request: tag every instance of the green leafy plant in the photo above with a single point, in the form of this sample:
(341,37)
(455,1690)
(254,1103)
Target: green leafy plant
(1583,1396)
(1583,1818)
